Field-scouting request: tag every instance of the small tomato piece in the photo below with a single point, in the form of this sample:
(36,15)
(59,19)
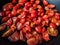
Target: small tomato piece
(14,37)
(46,36)
(52,31)
(45,2)
(38,29)
(53,25)
(9,22)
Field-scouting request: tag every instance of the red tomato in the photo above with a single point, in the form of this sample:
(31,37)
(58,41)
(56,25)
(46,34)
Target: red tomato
(14,37)
(28,35)
(37,1)
(23,1)
(43,30)
(57,16)
(45,2)
(23,20)
(52,31)
(53,25)
(19,11)
(14,12)
(38,29)
(14,1)
(27,29)
(50,14)
(33,15)
(7,12)
(19,25)
(9,22)
(4,19)
(15,20)
(54,20)
(34,6)
(46,36)
(39,20)
(22,36)
(31,41)
(51,6)
(10,15)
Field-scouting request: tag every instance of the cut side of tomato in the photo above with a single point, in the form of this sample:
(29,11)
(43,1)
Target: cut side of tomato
(14,37)
(46,36)
(52,31)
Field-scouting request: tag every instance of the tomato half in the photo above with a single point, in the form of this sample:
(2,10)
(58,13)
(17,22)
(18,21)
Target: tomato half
(52,31)
(46,36)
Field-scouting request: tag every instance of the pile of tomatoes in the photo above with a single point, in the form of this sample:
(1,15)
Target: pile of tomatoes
(29,20)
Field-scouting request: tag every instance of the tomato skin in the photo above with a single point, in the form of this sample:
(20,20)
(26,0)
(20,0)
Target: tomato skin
(14,37)
(46,36)
(14,12)
(26,29)
(54,20)
(37,1)
(52,31)
(38,29)
(29,35)
(4,19)
(9,22)
(37,36)
(14,1)
(51,6)
(45,17)
(23,1)
(15,20)
(58,23)
(22,36)
(50,14)
(19,25)
(19,11)
(45,2)
(34,6)
(57,16)
(33,15)
(31,41)
(53,25)
(2,27)
(10,15)
(23,20)
(10,6)
(7,12)
(43,29)
(39,20)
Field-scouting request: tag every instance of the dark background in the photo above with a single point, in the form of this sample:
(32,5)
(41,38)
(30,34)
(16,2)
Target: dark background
(54,41)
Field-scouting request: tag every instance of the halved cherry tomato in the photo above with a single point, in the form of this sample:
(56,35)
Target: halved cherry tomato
(38,29)
(52,31)
(46,36)
(14,37)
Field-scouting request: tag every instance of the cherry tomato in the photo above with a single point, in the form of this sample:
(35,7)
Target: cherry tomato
(53,25)
(52,31)
(9,22)
(23,20)
(43,30)
(37,1)
(14,37)
(45,2)
(51,6)
(46,36)
(38,29)
(4,19)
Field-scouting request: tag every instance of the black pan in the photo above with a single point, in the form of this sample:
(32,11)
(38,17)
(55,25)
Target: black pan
(54,41)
